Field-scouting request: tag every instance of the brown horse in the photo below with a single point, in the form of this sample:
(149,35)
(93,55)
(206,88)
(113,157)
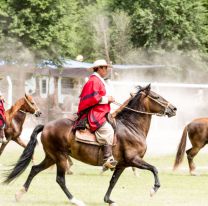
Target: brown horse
(58,139)
(197,131)
(15,117)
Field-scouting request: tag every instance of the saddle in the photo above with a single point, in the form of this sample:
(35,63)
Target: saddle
(84,135)
(87,137)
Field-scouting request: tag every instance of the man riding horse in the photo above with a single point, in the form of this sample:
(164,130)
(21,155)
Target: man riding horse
(93,107)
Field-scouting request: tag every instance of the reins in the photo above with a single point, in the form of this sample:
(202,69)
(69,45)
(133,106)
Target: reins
(143,112)
(22,111)
(29,105)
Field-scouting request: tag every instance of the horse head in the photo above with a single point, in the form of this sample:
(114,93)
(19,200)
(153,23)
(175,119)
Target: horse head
(30,106)
(155,104)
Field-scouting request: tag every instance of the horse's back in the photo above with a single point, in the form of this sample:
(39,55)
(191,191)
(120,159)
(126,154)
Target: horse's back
(64,124)
(58,140)
(199,123)
(198,129)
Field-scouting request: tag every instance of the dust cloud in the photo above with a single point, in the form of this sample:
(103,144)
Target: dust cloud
(178,80)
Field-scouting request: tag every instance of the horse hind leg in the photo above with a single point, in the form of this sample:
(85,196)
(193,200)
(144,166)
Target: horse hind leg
(191,153)
(60,179)
(47,162)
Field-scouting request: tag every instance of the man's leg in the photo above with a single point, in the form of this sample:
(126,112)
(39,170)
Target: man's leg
(108,159)
(105,135)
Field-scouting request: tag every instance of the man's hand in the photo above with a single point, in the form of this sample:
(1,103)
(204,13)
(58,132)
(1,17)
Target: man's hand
(111,99)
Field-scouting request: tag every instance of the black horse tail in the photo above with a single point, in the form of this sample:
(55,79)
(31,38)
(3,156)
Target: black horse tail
(26,156)
(181,149)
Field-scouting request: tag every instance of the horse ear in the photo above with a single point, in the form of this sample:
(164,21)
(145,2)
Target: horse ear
(139,88)
(25,95)
(148,87)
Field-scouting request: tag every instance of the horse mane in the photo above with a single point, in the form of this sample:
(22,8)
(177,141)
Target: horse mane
(13,109)
(130,102)
(117,111)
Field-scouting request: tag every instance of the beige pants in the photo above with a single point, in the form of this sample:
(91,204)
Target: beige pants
(105,134)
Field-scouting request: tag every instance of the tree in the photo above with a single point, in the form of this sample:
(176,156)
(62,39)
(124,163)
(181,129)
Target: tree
(120,36)
(169,24)
(47,28)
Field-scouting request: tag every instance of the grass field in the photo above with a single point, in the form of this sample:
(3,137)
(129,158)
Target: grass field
(177,189)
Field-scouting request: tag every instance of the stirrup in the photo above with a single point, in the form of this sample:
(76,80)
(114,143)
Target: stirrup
(109,164)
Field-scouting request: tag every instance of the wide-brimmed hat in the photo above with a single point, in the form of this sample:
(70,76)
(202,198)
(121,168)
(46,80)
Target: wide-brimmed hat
(99,63)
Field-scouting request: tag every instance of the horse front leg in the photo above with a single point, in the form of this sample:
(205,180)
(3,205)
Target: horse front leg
(118,171)
(70,163)
(141,164)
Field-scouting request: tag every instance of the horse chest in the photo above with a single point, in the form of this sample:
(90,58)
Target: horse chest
(13,131)
(141,146)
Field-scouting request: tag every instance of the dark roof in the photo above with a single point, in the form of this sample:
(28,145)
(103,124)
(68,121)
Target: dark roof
(71,64)
(72,68)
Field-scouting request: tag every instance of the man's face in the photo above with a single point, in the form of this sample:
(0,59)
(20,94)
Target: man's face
(103,71)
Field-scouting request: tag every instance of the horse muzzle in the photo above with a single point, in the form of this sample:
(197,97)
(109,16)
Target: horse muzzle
(37,113)
(171,111)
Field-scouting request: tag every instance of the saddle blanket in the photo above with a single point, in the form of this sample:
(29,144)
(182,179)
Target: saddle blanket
(85,136)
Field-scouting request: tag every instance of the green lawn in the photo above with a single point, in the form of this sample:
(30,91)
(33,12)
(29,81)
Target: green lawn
(177,189)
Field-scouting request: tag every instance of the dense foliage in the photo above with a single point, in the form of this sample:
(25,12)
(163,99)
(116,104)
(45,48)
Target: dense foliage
(117,30)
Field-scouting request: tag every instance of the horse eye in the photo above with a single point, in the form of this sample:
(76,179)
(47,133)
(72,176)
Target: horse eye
(155,97)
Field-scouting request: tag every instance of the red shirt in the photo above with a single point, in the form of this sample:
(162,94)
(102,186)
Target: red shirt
(90,97)
(2,111)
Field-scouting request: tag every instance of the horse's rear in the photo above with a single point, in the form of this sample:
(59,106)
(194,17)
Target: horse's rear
(56,137)
(197,131)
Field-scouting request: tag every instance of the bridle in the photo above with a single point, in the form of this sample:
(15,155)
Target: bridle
(143,112)
(29,105)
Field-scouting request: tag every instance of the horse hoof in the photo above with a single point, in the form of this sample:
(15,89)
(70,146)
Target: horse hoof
(69,172)
(152,192)
(19,194)
(77,202)
(194,174)
(113,204)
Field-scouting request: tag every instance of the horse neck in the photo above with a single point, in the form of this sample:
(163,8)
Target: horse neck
(140,123)
(19,116)
(14,109)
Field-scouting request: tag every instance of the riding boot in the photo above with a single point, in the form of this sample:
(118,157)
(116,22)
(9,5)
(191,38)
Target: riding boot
(2,136)
(109,161)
